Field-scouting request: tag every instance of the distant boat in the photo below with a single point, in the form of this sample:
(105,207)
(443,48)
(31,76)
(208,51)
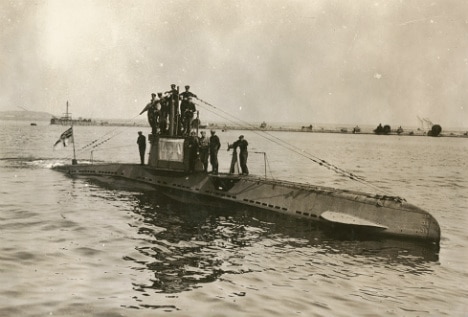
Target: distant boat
(33,124)
(172,171)
(67,120)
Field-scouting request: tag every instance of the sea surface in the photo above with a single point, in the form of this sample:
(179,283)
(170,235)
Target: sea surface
(71,247)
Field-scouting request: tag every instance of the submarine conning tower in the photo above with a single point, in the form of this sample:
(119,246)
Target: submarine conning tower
(170,147)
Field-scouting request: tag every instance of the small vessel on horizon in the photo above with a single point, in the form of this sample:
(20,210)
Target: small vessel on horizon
(169,171)
(67,120)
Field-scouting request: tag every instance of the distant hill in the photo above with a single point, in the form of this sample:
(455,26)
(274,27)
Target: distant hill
(25,115)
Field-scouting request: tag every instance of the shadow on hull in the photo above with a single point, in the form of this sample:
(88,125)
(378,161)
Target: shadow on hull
(339,237)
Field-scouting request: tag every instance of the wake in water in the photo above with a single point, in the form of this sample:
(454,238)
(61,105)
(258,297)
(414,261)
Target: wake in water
(33,162)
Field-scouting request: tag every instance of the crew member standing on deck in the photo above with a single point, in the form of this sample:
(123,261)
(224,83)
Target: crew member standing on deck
(242,145)
(214,148)
(194,147)
(204,143)
(141,141)
(173,92)
(172,98)
(184,96)
(188,116)
(185,104)
(173,95)
(164,102)
(153,113)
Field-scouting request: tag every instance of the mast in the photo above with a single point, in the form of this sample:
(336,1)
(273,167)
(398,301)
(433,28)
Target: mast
(74,161)
(173,113)
(67,114)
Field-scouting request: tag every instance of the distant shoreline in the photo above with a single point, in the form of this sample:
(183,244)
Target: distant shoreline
(453,134)
(224,127)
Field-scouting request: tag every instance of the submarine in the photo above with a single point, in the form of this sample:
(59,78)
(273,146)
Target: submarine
(170,172)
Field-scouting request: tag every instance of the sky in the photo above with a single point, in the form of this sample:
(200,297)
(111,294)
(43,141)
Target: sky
(309,61)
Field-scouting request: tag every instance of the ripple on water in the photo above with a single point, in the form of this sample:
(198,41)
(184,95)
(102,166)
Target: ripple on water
(72,248)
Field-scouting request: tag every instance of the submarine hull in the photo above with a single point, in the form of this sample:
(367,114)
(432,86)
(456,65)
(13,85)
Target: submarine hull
(375,214)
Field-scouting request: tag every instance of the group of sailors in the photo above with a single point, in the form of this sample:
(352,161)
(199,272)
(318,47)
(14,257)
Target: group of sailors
(165,107)
(159,111)
(202,148)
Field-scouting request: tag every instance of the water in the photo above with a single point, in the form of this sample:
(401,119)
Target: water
(74,248)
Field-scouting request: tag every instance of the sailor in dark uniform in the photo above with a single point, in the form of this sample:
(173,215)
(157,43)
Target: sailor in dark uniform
(141,141)
(243,155)
(153,109)
(164,102)
(184,96)
(185,104)
(187,115)
(215,144)
(194,147)
(172,100)
(204,144)
(173,93)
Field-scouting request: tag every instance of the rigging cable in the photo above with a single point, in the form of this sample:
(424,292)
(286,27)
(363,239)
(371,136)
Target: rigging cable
(293,148)
(93,144)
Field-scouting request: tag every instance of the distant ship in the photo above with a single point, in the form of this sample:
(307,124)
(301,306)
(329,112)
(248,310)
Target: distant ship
(168,172)
(67,120)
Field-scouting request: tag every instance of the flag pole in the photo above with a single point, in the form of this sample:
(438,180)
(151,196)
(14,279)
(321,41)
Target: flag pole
(74,161)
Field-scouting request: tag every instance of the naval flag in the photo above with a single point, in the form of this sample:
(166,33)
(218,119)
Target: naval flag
(65,136)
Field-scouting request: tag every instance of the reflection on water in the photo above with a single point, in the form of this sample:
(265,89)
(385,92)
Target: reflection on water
(191,245)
